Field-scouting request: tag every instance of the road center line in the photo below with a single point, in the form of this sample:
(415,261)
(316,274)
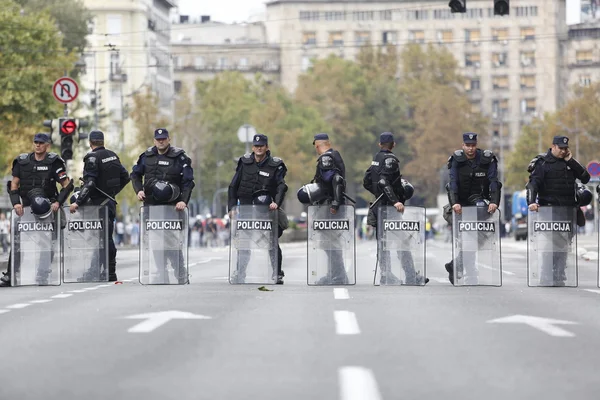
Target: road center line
(40,301)
(358,383)
(62,296)
(4,311)
(18,306)
(346,323)
(340,294)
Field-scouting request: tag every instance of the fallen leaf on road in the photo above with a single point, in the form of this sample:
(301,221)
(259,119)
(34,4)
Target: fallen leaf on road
(264,289)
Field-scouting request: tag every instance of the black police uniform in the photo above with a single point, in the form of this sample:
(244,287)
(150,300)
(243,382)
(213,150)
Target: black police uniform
(103,172)
(553,182)
(251,180)
(151,172)
(472,183)
(383,177)
(330,175)
(38,179)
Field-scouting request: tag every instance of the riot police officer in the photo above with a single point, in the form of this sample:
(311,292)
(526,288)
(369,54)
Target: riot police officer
(104,177)
(163,175)
(552,182)
(384,177)
(327,187)
(259,179)
(33,185)
(473,182)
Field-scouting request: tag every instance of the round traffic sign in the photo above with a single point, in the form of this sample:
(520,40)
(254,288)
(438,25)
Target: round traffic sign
(65,90)
(593,168)
(246,133)
(68,127)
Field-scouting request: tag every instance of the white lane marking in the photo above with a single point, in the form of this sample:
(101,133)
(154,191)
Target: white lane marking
(206,261)
(592,291)
(77,291)
(40,301)
(99,286)
(158,319)
(62,296)
(546,325)
(346,323)
(18,306)
(493,269)
(340,294)
(91,288)
(440,280)
(358,383)
(4,311)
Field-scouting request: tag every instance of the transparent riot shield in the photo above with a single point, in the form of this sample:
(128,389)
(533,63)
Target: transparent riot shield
(85,245)
(35,249)
(476,247)
(163,245)
(331,247)
(400,246)
(552,247)
(253,255)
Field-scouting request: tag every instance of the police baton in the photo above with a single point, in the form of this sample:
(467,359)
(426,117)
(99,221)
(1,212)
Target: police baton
(349,198)
(378,199)
(102,192)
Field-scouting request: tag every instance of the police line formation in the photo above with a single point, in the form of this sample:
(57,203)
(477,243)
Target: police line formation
(52,242)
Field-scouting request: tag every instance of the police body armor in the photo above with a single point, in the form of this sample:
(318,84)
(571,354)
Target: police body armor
(36,175)
(162,167)
(35,248)
(473,181)
(85,245)
(326,163)
(163,245)
(476,246)
(255,178)
(552,247)
(331,246)
(109,173)
(253,247)
(559,186)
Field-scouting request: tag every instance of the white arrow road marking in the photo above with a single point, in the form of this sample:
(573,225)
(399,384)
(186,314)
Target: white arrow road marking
(358,383)
(346,323)
(158,319)
(546,325)
(340,294)
(592,291)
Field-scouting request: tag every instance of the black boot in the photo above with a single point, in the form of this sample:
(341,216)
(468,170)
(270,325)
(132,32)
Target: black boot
(112,271)
(280,278)
(450,268)
(5,280)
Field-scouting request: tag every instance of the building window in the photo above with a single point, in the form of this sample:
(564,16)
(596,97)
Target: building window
(473,60)
(443,14)
(336,39)
(416,36)
(499,59)
(476,107)
(500,35)
(335,16)
(472,84)
(528,106)
(584,56)
(473,13)
(306,63)
(243,64)
(445,36)
(309,15)
(417,15)
(390,37)
(531,11)
(528,33)
(177,86)
(527,81)
(199,62)
(527,58)
(500,82)
(113,25)
(472,35)
(222,62)
(178,62)
(499,107)
(309,38)
(385,15)
(362,38)
(363,15)
(585,80)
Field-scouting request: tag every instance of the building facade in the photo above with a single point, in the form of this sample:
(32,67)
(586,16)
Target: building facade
(129,52)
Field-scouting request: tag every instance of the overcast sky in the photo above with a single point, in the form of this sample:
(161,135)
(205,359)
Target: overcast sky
(222,10)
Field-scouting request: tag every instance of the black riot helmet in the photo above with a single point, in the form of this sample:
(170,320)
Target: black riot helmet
(164,192)
(478,201)
(408,188)
(39,203)
(261,198)
(584,195)
(75,195)
(311,193)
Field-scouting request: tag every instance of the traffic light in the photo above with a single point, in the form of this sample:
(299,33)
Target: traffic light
(67,128)
(501,7)
(458,6)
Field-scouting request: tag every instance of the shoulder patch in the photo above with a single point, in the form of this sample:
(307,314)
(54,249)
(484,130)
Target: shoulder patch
(52,155)
(23,156)
(275,161)
(488,153)
(175,151)
(247,155)
(459,156)
(148,151)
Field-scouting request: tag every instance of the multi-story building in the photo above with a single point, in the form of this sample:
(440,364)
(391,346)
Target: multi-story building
(203,48)
(511,63)
(128,53)
(581,56)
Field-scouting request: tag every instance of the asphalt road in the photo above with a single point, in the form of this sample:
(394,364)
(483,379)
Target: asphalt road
(299,342)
